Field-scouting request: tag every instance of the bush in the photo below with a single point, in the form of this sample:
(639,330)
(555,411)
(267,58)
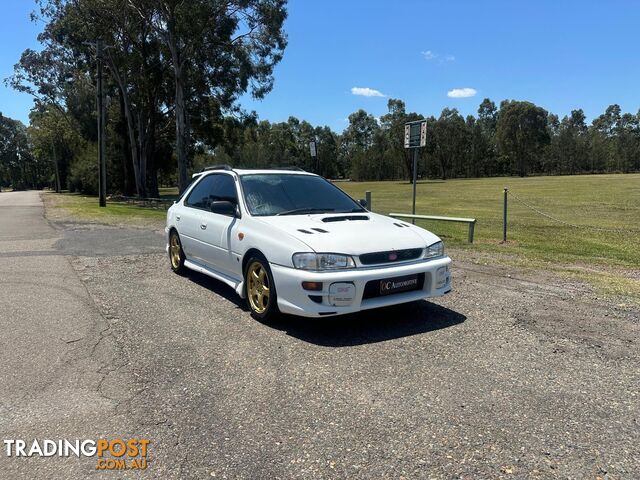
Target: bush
(83,173)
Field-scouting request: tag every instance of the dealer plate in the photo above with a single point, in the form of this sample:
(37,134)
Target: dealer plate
(399,284)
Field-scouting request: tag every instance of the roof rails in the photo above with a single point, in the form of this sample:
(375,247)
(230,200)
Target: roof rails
(216,167)
(293,168)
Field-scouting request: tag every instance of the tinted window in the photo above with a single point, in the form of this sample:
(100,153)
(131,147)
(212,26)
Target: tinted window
(290,194)
(210,188)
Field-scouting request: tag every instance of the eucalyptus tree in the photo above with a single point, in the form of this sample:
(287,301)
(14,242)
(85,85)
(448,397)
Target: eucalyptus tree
(217,49)
(521,133)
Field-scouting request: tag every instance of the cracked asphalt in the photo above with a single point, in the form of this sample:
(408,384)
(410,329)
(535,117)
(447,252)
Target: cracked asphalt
(513,375)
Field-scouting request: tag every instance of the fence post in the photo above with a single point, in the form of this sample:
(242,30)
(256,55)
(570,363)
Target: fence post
(367,197)
(504,216)
(472,227)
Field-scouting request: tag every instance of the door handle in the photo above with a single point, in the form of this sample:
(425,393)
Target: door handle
(178,218)
(203,226)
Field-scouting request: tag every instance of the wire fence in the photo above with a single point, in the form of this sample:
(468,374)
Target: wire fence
(568,224)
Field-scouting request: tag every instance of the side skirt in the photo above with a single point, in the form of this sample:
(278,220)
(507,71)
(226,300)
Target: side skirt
(238,286)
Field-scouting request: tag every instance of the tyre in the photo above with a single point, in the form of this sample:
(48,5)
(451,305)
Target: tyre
(176,254)
(260,289)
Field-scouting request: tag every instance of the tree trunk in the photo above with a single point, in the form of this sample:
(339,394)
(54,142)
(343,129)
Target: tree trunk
(128,182)
(182,131)
(130,127)
(142,152)
(152,171)
(55,165)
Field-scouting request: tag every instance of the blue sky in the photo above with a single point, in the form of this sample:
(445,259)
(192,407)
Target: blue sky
(559,54)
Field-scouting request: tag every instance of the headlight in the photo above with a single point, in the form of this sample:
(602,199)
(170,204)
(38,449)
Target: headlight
(322,261)
(435,250)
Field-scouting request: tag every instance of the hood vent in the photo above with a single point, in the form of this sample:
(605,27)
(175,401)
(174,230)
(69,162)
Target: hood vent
(345,218)
(305,231)
(319,230)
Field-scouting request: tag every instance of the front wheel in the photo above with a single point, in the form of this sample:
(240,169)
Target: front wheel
(260,289)
(176,254)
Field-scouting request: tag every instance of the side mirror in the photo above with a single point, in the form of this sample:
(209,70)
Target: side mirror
(363,202)
(224,207)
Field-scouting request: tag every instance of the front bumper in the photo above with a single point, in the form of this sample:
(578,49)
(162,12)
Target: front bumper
(293,299)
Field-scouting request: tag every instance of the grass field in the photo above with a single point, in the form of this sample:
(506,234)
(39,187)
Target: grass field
(602,201)
(607,258)
(70,206)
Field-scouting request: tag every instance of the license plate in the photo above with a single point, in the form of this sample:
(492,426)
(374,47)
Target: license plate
(398,284)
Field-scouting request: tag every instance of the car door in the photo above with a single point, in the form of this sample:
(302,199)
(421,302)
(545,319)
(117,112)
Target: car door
(216,229)
(189,220)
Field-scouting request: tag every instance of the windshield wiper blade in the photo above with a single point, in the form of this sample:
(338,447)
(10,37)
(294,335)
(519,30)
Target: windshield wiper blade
(302,211)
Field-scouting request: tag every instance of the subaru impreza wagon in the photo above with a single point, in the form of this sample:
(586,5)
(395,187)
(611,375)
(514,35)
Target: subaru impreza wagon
(292,242)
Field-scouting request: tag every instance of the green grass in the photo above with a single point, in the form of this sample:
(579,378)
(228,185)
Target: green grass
(606,201)
(69,206)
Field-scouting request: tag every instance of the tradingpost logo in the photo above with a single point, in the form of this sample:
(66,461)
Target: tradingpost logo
(116,454)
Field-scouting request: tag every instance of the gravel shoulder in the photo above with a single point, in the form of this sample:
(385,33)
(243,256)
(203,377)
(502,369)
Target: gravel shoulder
(515,374)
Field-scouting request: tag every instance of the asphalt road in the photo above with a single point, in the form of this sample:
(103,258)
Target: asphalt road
(510,376)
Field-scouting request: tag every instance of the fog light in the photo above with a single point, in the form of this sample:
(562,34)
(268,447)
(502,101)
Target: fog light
(442,277)
(342,294)
(314,286)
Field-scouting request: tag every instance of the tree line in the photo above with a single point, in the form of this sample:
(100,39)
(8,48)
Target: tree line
(175,72)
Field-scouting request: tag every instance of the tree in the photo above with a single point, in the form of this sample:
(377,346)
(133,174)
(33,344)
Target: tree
(18,168)
(393,124)
(216,49)
(358,139)
(521,133)
(451,143)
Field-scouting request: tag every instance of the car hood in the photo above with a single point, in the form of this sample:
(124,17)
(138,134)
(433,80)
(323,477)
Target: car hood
(352,233)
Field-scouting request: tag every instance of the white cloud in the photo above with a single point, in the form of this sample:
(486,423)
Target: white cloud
(462,92)
(431,55)
(367,92)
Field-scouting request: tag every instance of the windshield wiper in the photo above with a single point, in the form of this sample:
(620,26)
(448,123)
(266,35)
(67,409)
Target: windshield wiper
(302,211)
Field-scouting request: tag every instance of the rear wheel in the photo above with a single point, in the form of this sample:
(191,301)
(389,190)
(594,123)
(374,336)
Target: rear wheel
(260,289)
(176,254)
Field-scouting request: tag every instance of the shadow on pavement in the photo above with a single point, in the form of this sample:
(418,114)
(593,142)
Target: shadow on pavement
(217,287)
(370,326)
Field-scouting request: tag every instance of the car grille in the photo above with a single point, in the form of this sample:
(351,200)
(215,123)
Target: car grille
(386,257)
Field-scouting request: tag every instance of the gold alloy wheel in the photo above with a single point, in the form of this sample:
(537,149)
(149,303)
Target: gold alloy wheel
(174,251)
(258,287)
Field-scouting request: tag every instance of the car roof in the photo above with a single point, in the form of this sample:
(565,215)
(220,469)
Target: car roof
(253,171)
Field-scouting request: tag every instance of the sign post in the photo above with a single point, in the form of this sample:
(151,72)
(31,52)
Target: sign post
(313,148)
(415,137)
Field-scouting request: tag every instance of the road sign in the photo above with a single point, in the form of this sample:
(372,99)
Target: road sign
(415,134)
(313,147)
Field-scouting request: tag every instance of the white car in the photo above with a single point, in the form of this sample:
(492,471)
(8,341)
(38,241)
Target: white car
(290,241)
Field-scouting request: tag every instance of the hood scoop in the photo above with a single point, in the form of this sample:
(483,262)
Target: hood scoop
(345,218)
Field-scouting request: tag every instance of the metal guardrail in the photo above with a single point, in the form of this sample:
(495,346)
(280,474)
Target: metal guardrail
(470,221)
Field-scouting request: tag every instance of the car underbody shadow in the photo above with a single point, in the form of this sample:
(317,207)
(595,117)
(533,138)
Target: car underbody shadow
(369,326)
(217,287)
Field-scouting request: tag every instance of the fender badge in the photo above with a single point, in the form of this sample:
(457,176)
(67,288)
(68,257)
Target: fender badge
(240,236)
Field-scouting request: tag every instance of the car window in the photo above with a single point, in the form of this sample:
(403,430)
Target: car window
(211,188)
(283,194)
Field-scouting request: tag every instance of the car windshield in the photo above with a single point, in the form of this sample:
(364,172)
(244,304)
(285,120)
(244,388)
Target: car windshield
(290,194)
